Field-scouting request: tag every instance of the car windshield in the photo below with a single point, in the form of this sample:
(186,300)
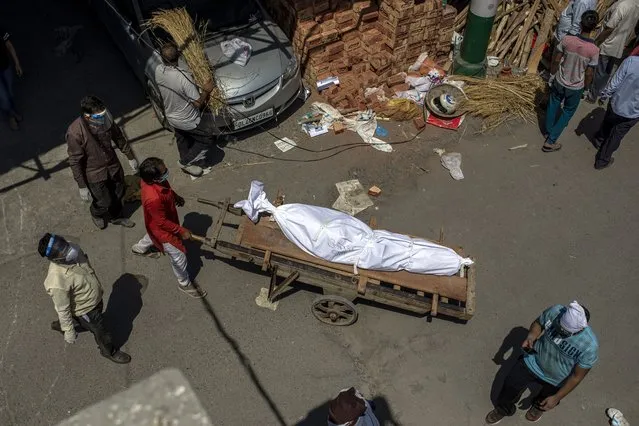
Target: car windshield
(218,14)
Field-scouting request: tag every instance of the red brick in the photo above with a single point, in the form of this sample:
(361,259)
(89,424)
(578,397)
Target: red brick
(333,48)
(360,67)
(419,123)
(321,6)
(371,36)
(359,5)
(350,35)
(370,16)
(344,16)
(395,79)
(352,44)
(400,87)
(367,26)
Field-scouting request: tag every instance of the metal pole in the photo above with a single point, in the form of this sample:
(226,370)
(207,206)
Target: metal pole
(471,59)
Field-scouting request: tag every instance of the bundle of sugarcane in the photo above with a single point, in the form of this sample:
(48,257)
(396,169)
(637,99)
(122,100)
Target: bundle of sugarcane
(178,23)
(498,101)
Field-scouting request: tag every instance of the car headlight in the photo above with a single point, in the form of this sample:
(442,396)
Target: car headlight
(291,69)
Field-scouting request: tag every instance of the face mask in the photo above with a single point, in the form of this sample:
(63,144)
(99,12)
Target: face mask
(62,252)
(100,122)
(164,177)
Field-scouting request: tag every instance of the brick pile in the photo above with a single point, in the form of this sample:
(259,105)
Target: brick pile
(365,43)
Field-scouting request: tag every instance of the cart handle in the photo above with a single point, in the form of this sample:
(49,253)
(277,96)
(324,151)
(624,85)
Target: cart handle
(220,205)
(204,240)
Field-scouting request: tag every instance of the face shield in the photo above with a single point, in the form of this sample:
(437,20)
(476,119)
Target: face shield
(100,122)
(60,251)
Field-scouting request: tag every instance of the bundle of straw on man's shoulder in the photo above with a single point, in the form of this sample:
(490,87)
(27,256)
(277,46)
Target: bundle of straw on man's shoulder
(178,23)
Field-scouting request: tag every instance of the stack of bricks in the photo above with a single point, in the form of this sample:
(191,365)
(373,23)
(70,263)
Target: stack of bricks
(363,42)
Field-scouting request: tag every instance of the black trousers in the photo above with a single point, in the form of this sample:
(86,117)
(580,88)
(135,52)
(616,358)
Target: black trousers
(94,322)
(107,197)
(194,144)
(612,131)
(515,384)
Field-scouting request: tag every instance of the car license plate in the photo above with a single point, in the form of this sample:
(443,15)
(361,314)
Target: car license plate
(243,122)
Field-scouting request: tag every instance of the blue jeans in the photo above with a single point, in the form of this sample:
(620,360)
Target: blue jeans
(7,105)
(571,98)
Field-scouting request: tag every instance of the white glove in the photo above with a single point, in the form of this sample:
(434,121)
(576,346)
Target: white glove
(85,195)
(134,165)
(551,80)
(70,336)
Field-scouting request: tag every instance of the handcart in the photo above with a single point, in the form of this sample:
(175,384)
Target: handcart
(265,245)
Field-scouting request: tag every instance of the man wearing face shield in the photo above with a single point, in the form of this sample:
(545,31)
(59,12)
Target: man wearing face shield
(163,230)
(77,294)
(560,350)
(94,163)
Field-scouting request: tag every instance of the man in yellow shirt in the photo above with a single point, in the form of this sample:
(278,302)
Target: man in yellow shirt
(77,294)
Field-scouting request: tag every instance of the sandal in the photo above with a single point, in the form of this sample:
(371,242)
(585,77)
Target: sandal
(551,147)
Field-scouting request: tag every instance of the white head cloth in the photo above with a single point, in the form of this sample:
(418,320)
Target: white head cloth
(574,319)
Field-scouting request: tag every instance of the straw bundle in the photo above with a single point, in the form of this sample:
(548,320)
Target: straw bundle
(178,23)
(501,100)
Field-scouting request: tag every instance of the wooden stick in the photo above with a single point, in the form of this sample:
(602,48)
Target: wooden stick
(500,27)
(510,9)
(519,18)
(525,52)
(461,17)
(542,37)
(524,31)
(504,49)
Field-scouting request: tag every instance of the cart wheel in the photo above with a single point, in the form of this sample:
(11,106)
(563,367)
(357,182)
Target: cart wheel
(334,310)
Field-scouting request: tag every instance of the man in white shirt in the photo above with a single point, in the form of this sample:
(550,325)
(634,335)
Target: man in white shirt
(570,18)
(185,106)
(619,26)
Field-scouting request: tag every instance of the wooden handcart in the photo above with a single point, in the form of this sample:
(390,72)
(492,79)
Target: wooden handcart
(265,245)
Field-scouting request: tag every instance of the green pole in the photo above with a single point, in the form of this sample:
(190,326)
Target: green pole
(471,58)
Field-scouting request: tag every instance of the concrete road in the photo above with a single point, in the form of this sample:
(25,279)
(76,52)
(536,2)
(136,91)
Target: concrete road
(544,228)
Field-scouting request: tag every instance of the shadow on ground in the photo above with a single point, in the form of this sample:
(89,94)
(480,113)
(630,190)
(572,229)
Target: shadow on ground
(319,415)
(125,303)
(511,346)
(198,224)
(590,124)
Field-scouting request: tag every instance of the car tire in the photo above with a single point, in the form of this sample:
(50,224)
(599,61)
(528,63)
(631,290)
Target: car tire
(155,98)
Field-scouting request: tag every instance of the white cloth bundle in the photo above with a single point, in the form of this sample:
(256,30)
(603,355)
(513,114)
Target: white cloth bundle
(338,237)
(237,50)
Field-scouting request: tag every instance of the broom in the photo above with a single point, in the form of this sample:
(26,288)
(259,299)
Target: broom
(178,23)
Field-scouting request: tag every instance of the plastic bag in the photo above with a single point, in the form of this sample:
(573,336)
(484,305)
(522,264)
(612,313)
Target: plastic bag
(237,50)
(338,237)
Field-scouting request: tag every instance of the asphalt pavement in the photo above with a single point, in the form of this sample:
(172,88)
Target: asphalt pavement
(543,228)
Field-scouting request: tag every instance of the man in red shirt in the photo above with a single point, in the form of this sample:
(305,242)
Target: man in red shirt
(163,228)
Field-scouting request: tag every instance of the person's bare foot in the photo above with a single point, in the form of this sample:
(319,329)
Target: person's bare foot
(13,124)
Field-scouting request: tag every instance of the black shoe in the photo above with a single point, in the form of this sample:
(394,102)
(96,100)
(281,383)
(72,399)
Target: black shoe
(55,326)
(612,160)
(123,221)
(99,222)
(119,357)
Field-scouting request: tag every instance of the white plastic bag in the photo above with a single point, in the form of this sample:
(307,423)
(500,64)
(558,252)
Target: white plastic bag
(237,50)
(338,237)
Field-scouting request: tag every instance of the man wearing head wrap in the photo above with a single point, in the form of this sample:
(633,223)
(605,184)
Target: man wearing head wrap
(94,163)
(77,294)
(350,408)
(560,350)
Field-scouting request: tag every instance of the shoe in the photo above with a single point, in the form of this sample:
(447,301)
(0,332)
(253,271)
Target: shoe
(193,290)
(494,417)
(551,147)
(534,414)
(13,124)
(17,116)
(590,99)
(616,417)
(612,160)
(99,222)
(119,357)
(192,170)
(123,221)
(153,253)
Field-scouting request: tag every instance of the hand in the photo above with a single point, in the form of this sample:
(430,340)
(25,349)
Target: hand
(185,234)
(85,195)
(208,87)
(549,403)
(179,201)
(134,165)
(19,70)
(529,343)
(551,80)
(70,336)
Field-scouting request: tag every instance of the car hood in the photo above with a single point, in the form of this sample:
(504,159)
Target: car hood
(268,60)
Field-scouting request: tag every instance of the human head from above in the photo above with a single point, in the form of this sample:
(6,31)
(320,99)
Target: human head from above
(95,113)
(58,250)
(573,320)
(589,21)
(170,53)
(153,170)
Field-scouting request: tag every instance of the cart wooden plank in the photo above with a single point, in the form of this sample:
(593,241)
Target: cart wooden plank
(272,239)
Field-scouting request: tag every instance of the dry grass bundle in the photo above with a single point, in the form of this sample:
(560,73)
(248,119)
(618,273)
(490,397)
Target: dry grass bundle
(178,23)
(501,100)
